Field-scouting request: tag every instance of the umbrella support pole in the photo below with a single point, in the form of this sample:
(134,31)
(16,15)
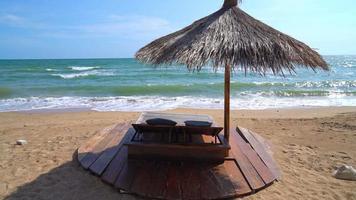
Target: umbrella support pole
(227,103)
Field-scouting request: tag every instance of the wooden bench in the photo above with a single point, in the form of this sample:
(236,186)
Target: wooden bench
(204,144)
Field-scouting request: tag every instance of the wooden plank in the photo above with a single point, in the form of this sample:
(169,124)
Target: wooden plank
(127,175)
(190,183)
(239,182)
(210,188)
(111,149)
(141,118)
(223,181)
(253,138)
(117,164)
(265,144)
(177,152)
(115,167)
(253,178)
(99,148)
(142,180)
(173,189)
(158,180)
(261,151)
(255,160)
(92,142)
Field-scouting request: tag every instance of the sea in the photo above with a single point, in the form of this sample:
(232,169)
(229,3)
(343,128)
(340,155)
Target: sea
(127,85)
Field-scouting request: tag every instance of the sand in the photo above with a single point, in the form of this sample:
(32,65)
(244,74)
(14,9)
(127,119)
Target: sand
(308,144)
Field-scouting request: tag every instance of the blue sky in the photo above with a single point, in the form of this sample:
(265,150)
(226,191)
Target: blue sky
(118,28)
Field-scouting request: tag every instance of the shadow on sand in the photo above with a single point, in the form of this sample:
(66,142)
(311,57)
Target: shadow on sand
(68,181)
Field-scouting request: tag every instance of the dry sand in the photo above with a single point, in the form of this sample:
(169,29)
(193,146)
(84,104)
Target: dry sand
(307,143)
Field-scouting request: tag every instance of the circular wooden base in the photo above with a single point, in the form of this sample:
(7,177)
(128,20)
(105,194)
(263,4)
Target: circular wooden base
(246,170)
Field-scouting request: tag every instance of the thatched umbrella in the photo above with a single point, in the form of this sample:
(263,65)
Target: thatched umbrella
(231,38)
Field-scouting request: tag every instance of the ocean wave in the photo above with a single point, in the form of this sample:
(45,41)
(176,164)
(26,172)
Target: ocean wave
(83,68)
(189,89)
(84,74)
(326,84)
(304,93)
(349,64)
(158,103)
(51,70)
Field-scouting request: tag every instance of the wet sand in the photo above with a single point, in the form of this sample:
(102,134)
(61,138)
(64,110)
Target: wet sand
(307,143)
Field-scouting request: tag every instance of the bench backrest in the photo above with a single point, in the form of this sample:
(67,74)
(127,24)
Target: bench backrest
(187,129)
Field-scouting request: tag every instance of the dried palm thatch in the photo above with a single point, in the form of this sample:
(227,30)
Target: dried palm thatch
(231,37)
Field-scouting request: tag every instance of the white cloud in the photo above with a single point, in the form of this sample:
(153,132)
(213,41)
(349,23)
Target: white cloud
(12,20)
(19,22)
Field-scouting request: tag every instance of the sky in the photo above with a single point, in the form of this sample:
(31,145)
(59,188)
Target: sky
(118,28)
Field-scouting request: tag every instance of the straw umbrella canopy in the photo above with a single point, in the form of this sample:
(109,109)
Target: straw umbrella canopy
(232,39)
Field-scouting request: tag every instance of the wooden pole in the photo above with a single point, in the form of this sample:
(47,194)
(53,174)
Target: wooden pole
(227,103)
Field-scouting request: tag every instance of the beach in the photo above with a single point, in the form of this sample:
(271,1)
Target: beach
(308,144)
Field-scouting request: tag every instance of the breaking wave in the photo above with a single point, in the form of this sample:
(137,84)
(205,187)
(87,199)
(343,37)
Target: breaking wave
(83,68)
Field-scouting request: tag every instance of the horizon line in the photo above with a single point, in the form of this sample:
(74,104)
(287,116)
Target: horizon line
(102,58)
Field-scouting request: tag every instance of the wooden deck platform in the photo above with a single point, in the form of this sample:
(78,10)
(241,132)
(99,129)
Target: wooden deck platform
(247,169)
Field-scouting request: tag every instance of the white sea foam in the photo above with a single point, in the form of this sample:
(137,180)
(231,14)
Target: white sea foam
(50,70)
(156,103)
(84,74)
(83,68)
(349,64)
(326,84)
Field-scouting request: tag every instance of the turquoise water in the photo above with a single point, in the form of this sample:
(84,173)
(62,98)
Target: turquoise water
(124,84)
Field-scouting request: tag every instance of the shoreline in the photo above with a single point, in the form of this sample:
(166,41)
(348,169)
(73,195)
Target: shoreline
(298,112)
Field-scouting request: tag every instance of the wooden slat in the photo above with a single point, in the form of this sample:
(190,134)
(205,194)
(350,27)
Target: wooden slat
(111,149)
(115,167)
(142,181)
(247,169)
(265,144)
(237,179)
(255,160)
(210,188)
(117,164)
(127,175)
(92,142)
(223,181)
(262,152)
(158,180)
(173,189)
(190,183)
(99,148)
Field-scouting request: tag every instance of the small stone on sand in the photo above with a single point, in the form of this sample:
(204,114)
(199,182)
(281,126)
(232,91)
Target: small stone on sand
(21,142)
(345,172)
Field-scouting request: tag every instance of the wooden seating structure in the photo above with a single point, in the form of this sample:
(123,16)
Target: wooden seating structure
(246,169)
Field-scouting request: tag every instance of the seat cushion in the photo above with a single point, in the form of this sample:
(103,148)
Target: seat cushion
(198,123)
(161,122)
